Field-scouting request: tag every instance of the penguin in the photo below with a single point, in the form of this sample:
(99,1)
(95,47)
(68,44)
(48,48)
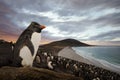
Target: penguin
(37,59)
(27,45)
(76,68)
(50,65)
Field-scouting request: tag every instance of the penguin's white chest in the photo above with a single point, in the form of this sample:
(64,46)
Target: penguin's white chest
(35,39)
(25,53)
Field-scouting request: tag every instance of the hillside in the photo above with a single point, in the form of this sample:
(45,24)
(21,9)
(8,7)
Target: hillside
(56,46)
(27,73)
(67,42)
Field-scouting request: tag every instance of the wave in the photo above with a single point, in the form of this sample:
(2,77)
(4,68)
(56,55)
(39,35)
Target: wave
(98,62)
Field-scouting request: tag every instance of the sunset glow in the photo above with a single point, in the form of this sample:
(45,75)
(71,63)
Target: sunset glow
(88,21)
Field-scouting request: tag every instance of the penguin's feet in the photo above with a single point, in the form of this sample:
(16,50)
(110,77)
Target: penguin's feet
(27,64)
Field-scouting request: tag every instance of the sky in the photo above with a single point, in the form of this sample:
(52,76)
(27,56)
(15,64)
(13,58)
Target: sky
(85,20)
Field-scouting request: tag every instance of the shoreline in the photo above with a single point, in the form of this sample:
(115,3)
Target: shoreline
(68,52)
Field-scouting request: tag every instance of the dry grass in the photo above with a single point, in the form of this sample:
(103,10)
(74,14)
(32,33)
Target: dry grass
(26,73)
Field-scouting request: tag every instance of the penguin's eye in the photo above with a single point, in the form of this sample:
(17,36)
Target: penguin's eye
(36,25)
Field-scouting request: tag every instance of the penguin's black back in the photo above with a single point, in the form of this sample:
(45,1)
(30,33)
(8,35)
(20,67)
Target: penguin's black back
(24,40)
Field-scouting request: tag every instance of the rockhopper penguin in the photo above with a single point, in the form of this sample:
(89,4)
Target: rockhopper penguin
(27,45)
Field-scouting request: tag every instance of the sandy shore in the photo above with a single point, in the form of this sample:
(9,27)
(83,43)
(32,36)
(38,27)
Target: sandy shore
(68,52)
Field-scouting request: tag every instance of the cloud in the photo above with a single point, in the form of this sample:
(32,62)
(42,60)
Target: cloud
(79,19)
(112,19)
(88,4)
(112,35)
(53,16)
(41,5)
(6,26)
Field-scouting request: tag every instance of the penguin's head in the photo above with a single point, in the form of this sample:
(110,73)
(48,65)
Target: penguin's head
(35,27)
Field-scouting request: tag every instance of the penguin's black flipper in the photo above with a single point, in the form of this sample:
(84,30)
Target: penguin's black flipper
(30,45)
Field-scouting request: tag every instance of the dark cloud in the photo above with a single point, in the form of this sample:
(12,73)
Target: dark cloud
(21,18)
(111,19)
(71,27)
(14,19)
(9,29)
(107,36)
(87,4)
(6,26)
(4,9)
(40,5)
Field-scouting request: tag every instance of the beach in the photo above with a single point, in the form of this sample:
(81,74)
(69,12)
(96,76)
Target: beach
(68,52)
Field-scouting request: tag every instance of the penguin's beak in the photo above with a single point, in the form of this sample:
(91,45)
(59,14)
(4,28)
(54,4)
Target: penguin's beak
(42,26)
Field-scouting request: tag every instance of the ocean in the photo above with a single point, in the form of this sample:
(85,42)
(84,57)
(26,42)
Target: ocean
(109,56)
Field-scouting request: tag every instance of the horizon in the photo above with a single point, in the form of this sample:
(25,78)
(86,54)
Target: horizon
(93,22)
(97,43)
